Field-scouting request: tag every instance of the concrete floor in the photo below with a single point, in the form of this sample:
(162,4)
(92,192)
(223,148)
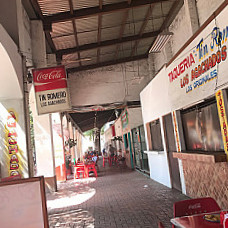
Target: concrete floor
(118,198)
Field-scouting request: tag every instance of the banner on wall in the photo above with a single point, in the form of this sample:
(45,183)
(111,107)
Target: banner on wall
(124,119)
(11,144)
(176,132)
(201,67)
(222,119)
(51,90)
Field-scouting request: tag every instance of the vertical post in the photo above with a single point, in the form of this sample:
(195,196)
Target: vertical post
(64,159)
(27,119)
(130,149)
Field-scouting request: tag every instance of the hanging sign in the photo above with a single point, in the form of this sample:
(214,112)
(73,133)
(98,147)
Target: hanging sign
(51,90)
(176,132)
(223,119)
(201,67)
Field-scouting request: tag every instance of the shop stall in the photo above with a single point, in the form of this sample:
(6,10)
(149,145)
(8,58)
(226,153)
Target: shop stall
(192,102)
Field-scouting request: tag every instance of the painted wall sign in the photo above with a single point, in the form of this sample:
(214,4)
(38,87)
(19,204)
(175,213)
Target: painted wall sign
(124,119)
(11,143)
(51,90)
(222,119)
(198,70)
(176,133)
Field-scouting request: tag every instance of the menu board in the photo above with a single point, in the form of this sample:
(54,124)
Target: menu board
(23,203)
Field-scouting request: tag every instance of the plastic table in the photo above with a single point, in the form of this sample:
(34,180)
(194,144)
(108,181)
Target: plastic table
(195,221)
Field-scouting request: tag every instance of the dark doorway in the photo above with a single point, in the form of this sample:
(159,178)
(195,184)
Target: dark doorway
(139,146)
(171,147)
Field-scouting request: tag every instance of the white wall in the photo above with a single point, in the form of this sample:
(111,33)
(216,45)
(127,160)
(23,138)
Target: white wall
(24,31)
(154,98)
(159,169)
(118,127)
(116,83)
(10,68)
(135,117)
(204,10)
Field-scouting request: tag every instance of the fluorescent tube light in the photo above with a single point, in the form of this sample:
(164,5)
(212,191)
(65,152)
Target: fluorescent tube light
(160,41)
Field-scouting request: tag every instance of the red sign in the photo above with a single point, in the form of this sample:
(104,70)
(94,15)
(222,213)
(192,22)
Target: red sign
(49,78)
(51,90)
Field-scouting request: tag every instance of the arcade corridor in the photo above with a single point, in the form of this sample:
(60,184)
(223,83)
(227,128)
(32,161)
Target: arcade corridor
(118,198)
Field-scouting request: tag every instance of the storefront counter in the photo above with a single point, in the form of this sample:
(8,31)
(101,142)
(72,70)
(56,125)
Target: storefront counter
(205,175)
(202,157)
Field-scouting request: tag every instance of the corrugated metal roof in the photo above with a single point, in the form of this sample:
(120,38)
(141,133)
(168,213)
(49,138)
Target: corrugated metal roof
(137,14)
(90,61)
(64,42)
(105,2)
(132,29)
(62,29)
(71,64)
(80,4)
(87,37)
(127,45)
(141,50)
(112,19)
(111,27)
(110,33)
(87,24)
(89,53)
(70,57)
(124,53)
(146,42)
(49,7)
(107,57)
(162,8)
(108,49)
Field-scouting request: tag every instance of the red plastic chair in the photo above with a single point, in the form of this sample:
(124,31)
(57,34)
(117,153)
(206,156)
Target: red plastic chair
(195,206)
(78,170)
(105,159)
(91,168)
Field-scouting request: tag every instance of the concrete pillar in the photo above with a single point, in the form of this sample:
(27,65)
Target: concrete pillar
(151,65)
(168,51)
(58,147)
(192,15)
(43,123)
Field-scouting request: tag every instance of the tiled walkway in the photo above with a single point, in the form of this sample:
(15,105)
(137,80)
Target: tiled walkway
(118,198)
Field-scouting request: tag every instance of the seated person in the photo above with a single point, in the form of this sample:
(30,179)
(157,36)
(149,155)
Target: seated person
(95,158)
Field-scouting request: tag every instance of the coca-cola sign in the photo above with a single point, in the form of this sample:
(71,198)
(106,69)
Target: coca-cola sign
(53,75)
(49,78)
(46,75)
(51,89)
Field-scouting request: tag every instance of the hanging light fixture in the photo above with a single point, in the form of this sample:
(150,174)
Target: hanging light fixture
(162,38)
(160,41)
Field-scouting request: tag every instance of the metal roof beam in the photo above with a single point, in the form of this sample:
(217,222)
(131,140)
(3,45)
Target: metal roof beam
(92,11)
(144,24)
(123,25)
(75,29)
(99,30)
(106,43)
(107,63)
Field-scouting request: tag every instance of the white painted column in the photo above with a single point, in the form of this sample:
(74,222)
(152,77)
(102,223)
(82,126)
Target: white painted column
(43,123)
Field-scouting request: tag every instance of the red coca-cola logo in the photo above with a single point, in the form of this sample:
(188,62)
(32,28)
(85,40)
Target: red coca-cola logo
(53,75)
